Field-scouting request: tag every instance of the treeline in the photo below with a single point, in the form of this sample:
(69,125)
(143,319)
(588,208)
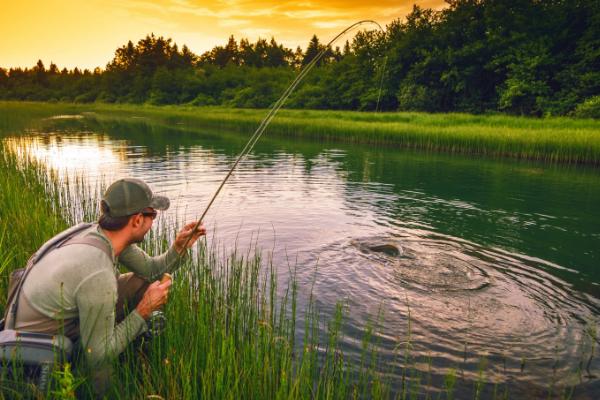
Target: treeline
(528,57)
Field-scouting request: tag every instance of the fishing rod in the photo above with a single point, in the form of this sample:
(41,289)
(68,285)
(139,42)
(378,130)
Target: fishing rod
(271,114)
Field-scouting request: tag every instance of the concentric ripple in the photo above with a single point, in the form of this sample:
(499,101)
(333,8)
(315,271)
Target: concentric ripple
(465,301)
(415,265)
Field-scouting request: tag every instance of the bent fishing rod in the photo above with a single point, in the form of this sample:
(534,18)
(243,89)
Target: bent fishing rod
(271,114)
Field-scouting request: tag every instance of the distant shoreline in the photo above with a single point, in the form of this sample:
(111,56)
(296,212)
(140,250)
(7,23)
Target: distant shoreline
(555,139)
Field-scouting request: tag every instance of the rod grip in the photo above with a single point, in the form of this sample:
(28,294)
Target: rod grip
(166,277)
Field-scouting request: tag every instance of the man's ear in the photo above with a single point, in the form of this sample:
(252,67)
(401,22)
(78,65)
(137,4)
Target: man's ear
(136,221)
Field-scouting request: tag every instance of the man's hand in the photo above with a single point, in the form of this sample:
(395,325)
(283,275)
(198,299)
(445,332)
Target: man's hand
(185,233)
(155,296)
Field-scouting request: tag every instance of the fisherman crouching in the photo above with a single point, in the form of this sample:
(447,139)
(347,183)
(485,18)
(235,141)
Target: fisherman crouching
(76,288)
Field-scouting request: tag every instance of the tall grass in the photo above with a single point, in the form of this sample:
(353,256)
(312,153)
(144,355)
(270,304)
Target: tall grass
(29,212)
(558,139)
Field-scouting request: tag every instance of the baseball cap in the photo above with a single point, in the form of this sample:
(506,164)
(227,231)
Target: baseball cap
(130,196)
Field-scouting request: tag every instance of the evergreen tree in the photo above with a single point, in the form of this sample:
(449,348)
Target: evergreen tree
(346,48)
(40,73)
(298,58)
(312,50)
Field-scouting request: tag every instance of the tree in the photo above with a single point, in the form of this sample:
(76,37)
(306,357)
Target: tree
(312,50)
(277,55)
(247,53)
(40,73)
(232,52)
(187,57)
(222,56)
(3,79)
(409,47)
(462,53)
(164,87)
(298,58)
(347,49)
(124,59)
(525,89)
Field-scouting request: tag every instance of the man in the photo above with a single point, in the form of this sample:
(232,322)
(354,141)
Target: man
(77,289)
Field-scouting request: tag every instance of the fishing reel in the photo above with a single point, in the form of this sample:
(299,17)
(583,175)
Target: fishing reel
(157,322)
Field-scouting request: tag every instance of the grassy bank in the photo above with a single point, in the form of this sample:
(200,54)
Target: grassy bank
(549,139)
(230,334)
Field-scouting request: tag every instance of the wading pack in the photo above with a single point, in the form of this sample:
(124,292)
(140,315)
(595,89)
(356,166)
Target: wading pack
(34,354)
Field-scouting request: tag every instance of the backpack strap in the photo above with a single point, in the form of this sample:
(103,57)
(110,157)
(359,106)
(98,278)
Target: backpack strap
(58,240)
(64,238)
(90,241)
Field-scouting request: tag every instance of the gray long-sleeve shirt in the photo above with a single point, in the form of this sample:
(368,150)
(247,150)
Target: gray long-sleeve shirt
(79,282)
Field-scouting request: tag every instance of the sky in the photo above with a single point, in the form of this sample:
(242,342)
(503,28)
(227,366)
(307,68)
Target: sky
(86,33)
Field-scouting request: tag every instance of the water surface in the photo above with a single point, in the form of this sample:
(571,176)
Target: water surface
(497,259)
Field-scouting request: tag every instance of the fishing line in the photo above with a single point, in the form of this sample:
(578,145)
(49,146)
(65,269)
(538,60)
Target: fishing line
(273,111)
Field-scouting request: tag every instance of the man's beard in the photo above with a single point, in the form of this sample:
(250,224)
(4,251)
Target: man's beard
(136,240)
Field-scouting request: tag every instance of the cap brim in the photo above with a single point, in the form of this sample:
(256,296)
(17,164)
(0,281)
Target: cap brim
(159,203)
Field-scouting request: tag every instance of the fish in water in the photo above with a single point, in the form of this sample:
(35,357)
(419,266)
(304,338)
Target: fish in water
(386,248)
(381,246)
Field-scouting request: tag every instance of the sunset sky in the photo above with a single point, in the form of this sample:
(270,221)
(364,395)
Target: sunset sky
(86,33)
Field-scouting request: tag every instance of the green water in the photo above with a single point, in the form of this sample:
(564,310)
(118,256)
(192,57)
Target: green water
(498,258)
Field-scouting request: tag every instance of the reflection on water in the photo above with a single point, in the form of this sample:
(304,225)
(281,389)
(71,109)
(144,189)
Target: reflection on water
(89,155)
(494,259)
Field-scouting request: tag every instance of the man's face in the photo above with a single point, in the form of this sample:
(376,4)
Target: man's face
(143,224)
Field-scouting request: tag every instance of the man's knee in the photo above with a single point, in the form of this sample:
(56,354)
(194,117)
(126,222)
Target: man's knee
(130,289)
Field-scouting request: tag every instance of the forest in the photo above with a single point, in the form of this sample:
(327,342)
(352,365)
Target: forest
(521,57)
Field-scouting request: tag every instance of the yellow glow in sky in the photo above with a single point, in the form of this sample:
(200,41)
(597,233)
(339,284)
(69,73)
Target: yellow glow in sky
(85,33)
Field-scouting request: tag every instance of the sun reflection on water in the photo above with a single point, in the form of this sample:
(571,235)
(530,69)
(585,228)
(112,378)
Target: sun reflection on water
(68,155)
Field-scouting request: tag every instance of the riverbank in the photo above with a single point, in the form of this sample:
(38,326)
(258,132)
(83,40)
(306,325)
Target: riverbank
(557,139)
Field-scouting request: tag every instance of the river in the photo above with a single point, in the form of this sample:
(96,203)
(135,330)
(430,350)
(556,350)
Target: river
(498,260)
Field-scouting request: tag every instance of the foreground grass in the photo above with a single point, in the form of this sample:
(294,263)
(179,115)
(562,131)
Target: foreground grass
(550,139)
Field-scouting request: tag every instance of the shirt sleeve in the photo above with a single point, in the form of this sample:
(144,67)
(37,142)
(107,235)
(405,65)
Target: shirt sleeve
(151,268)
(96,299)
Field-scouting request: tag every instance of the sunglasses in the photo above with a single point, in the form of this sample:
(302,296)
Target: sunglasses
(152,214)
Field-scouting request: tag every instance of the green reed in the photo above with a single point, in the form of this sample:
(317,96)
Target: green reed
(28,206)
